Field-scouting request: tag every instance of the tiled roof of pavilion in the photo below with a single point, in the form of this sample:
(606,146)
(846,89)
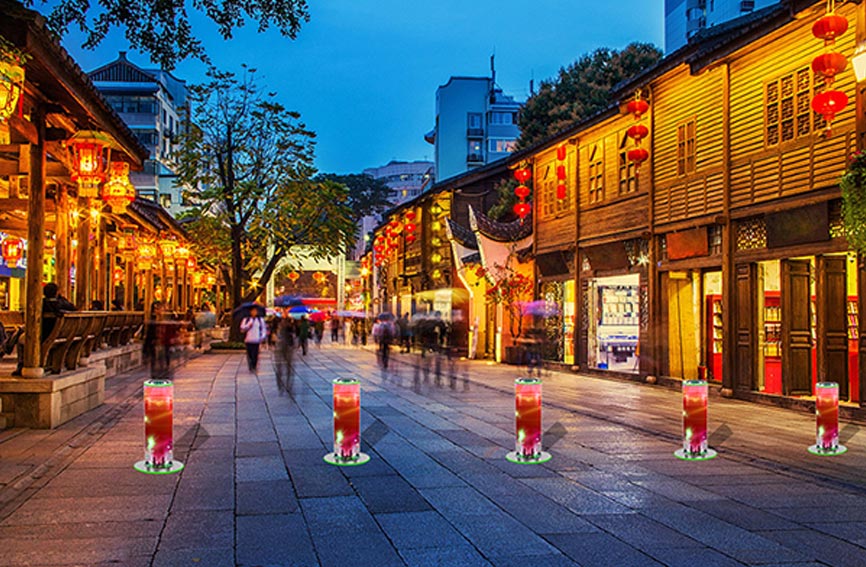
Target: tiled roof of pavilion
(500,231)
(463,235)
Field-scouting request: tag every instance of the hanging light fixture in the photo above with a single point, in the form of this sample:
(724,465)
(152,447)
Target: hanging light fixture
(829,102)
(561,174)
(637,132)
(146,255)
(167,246)
(12,249)
(522,208)
(118,192)
(410,227)
(90,153)
(181,253)
(293,276)
(191,264)
(11,86)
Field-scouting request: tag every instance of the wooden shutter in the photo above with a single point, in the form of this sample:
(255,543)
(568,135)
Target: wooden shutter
(832,318)
(744,324)
(796,328)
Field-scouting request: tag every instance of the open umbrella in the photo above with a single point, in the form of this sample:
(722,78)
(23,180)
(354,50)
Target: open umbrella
(317,316)
(299,311)
(385,316)
(351,314)
(244,309)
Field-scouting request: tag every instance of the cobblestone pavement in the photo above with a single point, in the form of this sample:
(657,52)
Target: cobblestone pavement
(438,490)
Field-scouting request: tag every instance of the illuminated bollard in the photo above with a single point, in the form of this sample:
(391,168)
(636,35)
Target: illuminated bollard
(827,420)
(527,422)
(347,424)
(158,425)
(695,396)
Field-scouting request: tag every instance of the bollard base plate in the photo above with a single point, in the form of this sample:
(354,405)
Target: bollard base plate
(147,468)
(840,449)
(682,454)
(514,457)
(334,459)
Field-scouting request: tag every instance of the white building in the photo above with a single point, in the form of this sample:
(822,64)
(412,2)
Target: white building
(476,123)
(153,103)
(685,18)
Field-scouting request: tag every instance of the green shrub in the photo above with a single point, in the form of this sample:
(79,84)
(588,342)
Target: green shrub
(227,345)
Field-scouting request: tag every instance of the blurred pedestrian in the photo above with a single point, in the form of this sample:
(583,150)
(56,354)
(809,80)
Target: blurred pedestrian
(284,353)
(405,329)
(304,333)
(256,333)
(335,327)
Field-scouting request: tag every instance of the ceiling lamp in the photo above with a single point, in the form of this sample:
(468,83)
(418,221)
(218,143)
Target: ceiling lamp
(89,155)
(118,192)
(12,249)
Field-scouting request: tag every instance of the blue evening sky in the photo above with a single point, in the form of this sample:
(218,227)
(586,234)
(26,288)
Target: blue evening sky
(363,73)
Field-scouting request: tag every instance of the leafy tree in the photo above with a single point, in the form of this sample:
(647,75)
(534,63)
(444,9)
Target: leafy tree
(508,288)
(247,166)
(367,195)
(581,90)
(162,28)
(853,185)
(503,209)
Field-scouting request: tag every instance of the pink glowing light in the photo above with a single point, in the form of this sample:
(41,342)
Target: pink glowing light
(827,415)
(694,417)
(527,417)
(347,419)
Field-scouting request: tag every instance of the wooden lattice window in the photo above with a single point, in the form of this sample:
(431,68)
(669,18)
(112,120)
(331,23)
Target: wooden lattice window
(596,174)
(627,177)
(686,147)
(788,112)
(751,233)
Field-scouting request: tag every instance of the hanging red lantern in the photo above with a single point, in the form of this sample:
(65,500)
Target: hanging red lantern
(522,192)
(146,255)
(561,152)
(829,103)
(118,192)
(829,64)
(410,216)
(410,227)
(379,248)
(637,155)
(830,26)
(637,132)
(522,209)
(12,249)
(90,152)
(191,264)
(561,191)
(560,172)
(293,276)
(167,246)
(410,238)
(522,175)
(638,106)
(118,275)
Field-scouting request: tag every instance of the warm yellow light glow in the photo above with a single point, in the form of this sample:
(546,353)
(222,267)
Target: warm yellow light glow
(859,61)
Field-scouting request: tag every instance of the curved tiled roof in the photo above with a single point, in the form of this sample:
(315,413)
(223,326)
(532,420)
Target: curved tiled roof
(500,231)
(463,235)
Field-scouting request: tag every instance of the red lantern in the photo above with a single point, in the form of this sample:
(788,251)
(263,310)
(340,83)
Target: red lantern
(829,103)
(379,248)
(561,191)
(395,226)
(829,64)
(637,155)
(522,209)
(637,106)
(118,275)
(410,216)
(89,155)
(560,172)
(13,250)
(637,132)
(522,175)
(191,264)
(829,27)
(410,227)
(561,153)
(293,276)
(410,238)
(522,192)
(119,191)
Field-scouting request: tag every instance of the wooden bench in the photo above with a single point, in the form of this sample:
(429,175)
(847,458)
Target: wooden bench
(13,324)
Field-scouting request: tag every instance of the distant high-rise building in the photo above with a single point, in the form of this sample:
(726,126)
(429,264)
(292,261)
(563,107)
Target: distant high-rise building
(407,180)
(153,103)
(476,123)
(685,18)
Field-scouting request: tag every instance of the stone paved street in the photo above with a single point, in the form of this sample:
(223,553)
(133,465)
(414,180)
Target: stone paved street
(438,490)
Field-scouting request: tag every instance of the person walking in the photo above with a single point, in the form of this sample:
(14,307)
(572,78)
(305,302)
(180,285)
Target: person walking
(335,328)
(285,351)
(256,333)
(304,333)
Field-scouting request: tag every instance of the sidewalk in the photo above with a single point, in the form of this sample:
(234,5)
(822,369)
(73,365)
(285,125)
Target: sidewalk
(438,490)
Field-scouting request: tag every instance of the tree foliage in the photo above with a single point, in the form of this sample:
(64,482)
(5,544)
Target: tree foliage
(162,28)
(853,185)
(581,90)
(367,195)
(509,288)
(247,167)
(503,209)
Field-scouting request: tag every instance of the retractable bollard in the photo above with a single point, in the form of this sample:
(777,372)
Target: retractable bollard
(158,424)
(527,421)
(347,424)
(695,399)
(827,420)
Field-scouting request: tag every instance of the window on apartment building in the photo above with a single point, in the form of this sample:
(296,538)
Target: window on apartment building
(627,177)
(473,121)
(788,114)
(686,147)
(501,118)
(474,151)
(165,200)
(596,174)
(501,146)
(132,104)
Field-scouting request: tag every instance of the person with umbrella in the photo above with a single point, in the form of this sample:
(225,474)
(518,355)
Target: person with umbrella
(256,333)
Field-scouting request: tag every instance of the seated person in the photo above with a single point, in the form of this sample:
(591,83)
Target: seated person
(53,305)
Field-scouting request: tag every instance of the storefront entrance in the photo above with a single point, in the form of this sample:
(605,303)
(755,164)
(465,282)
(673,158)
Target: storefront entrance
(693,311)
(805,324)
(614,323)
